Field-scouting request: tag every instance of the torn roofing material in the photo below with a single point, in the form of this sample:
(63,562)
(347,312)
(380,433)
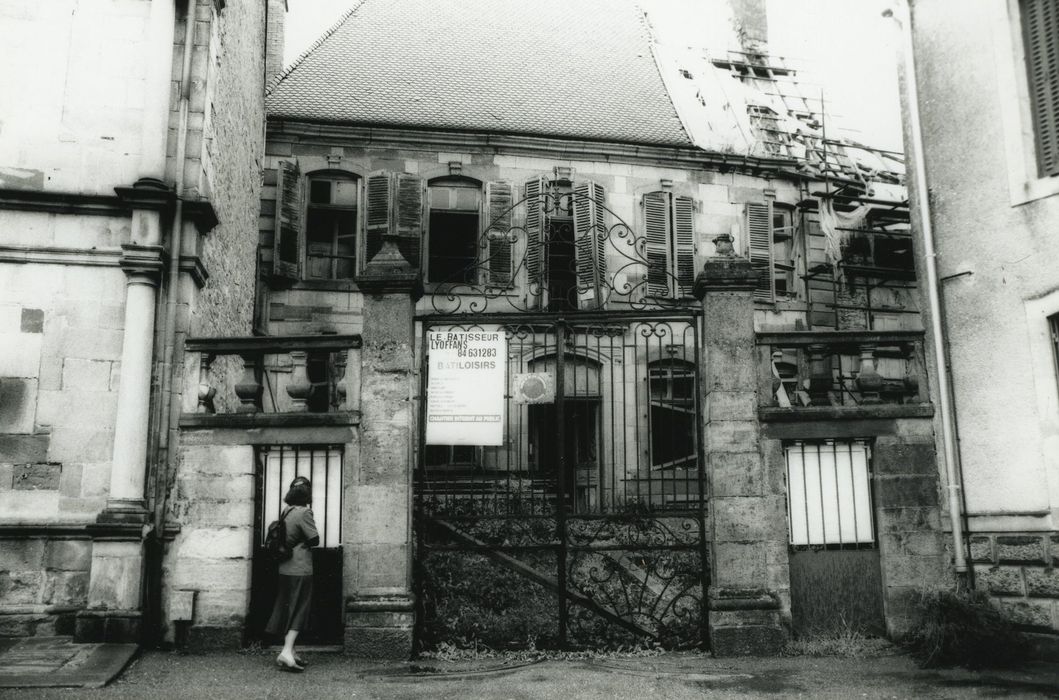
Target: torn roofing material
(579,69)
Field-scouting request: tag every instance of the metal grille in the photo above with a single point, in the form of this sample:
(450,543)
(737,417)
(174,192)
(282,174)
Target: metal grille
(596,498)
(322,465)
(829,494)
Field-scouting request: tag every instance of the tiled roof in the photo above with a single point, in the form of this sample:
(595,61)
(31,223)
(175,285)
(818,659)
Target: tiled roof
(578,69)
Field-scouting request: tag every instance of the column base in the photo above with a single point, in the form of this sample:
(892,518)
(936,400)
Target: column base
(111,626)
(124,512)
(746,622)
(380,628)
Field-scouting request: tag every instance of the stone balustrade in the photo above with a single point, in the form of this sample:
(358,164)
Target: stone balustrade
(271,374)
(799,369)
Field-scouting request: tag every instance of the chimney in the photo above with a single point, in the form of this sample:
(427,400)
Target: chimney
(277,16)
(751,23)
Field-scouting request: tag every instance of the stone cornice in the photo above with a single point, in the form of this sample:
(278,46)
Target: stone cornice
(198,211)
(515,144)
(62,203)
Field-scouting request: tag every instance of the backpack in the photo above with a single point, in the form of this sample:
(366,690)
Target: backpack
(276,540)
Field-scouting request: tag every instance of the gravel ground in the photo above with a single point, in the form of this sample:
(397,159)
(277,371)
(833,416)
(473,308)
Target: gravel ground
(252,675)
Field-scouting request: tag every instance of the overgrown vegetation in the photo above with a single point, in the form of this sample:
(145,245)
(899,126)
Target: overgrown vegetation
(845,642)
(963,629)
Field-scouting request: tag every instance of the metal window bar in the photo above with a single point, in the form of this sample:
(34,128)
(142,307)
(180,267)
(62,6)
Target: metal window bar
(829,494)
(322,465)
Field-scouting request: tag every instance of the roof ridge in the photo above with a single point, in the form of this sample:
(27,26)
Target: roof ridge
(649,36)
(315,45)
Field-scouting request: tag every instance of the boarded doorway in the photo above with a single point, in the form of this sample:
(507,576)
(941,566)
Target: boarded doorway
(277,466)
(836,583)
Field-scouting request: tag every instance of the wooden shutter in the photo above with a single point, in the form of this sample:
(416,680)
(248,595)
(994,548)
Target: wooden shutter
(656,213)
(287,255)
(499,197)
(759,246)
(684,243)
(536,228)
(377,200)
(408,216)
(590,237)
(1040,24)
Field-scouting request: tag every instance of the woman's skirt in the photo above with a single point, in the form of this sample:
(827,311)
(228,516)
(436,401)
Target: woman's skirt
(291,611)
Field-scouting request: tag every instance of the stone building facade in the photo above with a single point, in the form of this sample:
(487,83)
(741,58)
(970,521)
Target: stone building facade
(989,130)
(137,130)
(810,352)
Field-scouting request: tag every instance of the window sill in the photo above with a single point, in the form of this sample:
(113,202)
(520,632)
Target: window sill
(326,285)
(1034,189)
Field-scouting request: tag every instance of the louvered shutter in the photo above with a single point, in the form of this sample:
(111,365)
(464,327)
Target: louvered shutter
(656,214)
(536,226)
(408,217)
(759,246)
(684,243)
(377,218)
(1040,23)
(499,197)
(286,257)
(590,234)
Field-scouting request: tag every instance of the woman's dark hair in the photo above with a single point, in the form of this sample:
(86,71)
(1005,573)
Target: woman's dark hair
(300,494)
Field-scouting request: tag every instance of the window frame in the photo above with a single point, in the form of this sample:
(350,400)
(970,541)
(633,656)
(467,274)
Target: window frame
(442,181)
(356,209)
(1025,184)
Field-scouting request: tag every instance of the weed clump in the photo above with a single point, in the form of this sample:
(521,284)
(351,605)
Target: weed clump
(963,629)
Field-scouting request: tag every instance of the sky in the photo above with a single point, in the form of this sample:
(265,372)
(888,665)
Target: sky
(843,47)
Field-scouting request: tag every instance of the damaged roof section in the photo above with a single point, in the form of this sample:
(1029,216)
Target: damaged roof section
(751,103)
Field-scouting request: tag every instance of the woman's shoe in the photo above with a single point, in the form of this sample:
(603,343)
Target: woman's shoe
(290,668)
(300,661)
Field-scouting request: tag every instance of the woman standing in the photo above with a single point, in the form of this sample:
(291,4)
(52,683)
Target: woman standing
(294,589)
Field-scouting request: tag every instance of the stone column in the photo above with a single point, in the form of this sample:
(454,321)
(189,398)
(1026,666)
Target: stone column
(747,520)
(113,610)
(377,517)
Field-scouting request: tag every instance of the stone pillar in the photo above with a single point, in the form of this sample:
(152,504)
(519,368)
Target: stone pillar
(377,516)
(747,519)
(113,610)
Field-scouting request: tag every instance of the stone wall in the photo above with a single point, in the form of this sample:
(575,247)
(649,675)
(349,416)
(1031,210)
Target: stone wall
(60,352)
(75,126)
(213,503)
(905,493)
(43,581)
(1019,571)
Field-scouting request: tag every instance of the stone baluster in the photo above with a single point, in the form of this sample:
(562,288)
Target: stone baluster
(249,387)
(299,387)
(868,381)
(337,372)
(819,375)
(206,391)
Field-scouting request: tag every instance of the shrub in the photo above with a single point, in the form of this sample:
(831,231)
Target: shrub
(962,629)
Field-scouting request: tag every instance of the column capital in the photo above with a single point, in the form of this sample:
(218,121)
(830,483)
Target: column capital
(146,193)
(142,263)
(725,271)
(390,273)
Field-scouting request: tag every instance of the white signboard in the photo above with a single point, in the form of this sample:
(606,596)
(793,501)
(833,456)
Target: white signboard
(465,389)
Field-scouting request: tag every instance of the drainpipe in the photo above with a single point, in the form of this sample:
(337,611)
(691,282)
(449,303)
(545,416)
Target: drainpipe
(902,15)
(175,245)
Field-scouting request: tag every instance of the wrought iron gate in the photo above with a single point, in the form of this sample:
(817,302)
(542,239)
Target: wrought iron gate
(586,526)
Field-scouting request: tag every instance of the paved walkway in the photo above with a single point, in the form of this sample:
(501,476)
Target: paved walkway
(252,674)
(56,662)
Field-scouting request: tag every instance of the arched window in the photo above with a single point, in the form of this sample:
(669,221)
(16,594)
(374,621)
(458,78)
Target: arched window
(330,226)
